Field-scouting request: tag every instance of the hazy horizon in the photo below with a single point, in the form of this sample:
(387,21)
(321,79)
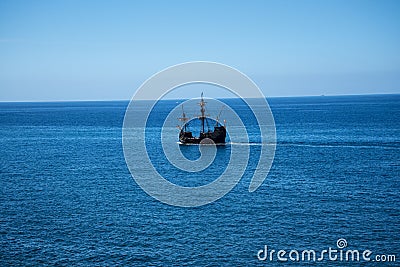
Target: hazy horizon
(179,99)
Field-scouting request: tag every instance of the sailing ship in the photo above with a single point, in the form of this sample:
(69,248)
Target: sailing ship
(217,135)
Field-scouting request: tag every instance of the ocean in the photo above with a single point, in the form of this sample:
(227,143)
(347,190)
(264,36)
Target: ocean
(68,198)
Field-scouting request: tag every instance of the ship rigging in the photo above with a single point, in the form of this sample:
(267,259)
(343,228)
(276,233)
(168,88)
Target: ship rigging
(217,136)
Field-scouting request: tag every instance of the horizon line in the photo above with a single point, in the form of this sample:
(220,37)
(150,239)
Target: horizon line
(169,99)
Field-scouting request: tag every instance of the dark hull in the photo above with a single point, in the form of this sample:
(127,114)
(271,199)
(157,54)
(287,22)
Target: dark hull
(218,137)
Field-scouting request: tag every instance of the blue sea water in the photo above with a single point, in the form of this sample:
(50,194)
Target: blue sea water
(68,198)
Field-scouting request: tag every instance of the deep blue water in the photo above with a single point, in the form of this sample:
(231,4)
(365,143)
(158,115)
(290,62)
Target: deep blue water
(67,197)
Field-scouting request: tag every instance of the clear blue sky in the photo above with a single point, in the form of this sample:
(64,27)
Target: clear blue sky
(94,50)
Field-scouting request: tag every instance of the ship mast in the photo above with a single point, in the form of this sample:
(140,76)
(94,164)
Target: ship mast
(184,119)
(202,109)
(219,115)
